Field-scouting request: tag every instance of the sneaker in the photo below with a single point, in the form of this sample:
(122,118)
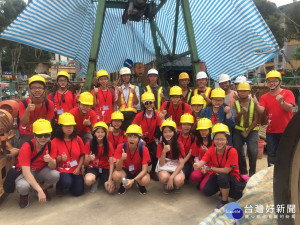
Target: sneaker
(94,187)
(121,190)
(166,191)
(48,198)
(24,202)
(59,192)
(153,176)
(142,190)
(221,204)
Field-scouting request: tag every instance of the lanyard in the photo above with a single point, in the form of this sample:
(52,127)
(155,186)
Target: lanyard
(106,96)
(186,139)
(62,99)
(148,126)
(220,164)
(132,156)
(69,150)
(36,116)
(115,143)
(175,112)
(214,118)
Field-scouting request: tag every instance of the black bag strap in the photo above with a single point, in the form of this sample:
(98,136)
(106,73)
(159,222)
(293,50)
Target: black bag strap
(182,106)
(228,153)
(40,152)
(141,148)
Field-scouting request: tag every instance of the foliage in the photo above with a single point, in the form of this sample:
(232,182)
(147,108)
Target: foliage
(292,20)
(297,54)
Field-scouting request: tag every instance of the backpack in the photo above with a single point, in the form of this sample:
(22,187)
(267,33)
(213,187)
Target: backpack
(182,106)
(53,94)
(193,136)
(141,148)
(112,94)
(26,104)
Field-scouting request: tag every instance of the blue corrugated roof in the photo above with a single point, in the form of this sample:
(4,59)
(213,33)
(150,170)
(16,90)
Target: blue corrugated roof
(230,34)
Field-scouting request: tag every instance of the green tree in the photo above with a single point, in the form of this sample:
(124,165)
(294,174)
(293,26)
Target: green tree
(292,20)
(297,54)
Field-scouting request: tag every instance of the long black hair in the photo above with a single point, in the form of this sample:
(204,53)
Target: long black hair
(94,143)
(174,143)
(200,139)
(58,133)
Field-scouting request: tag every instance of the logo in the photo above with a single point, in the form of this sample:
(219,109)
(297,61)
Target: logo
(233,210)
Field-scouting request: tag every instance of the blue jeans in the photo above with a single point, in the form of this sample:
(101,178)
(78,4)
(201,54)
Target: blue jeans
(252,149)
(272,146)
(72,182)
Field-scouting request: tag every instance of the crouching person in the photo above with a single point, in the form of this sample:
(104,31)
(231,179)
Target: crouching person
(132,162)
(37,161)
(223,170)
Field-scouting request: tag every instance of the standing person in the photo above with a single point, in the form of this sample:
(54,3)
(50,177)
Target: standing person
(116,136)
(202,89)
(132,162)
(33,108)
(99,159)
(170,148)
(246,129)
(128,98)
(223,170)
(37,162)
(200,146)
(217,112)
(104,98)
(70,156)
(186,137)
(159,92)
(225,82)
(150,122)
(184,81)
(174,108)
(197,104)
(85,117)
(63,99)
(239,80)
(278,104)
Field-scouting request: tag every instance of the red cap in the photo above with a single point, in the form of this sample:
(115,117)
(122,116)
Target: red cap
(282,73)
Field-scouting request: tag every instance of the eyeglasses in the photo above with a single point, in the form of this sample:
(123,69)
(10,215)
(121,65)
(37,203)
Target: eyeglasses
(220,140)
(47,135)
(272,81)
(148,103)
(37,88)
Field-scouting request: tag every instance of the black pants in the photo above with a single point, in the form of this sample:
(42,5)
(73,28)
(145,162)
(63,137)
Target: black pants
(187,170)
(152,151)
(224,181)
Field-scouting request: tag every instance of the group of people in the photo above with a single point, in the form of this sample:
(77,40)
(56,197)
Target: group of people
(121,138)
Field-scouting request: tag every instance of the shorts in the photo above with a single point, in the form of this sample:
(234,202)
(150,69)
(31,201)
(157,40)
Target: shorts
(102,176)
(131,175)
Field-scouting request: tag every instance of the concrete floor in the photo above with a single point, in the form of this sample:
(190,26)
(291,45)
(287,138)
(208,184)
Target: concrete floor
(188,207)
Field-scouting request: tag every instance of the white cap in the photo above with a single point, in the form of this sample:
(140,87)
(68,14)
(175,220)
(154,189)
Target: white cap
(240,79)
(201,75)
(223,78)
(152,71)
(125,70)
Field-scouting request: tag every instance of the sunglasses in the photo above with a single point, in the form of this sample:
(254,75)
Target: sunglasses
(42,135)
(148,102)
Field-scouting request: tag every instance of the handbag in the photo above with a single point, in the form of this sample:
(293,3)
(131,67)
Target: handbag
(170,165)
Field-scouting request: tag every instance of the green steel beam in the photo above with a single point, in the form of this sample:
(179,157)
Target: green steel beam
(190,35)
(162,37)
(95,45)
(161,4)
(116,4)
(175,27)
(174,57)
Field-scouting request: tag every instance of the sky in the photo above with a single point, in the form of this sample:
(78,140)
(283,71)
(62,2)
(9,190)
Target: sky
(281,2)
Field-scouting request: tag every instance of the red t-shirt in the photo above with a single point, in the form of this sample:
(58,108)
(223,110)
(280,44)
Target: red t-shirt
(100,160)
(25,156)
(73,149)
(115,140)
(187,142)
(81,129)
(104,107)
(133,158)
(170,153)
(67,105)
(176,113)
(148,124)
(219,160)
(277,117)
(197,151)
(38,113)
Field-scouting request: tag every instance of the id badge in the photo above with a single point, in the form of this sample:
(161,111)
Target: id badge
(131,167)
(73,163)
(105,107)
(100,170)
(60,111)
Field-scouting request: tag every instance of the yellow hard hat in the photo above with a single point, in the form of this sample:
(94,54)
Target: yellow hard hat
(42,126)
(86,98)
(187,118)
(197,100)
(36,78)
(102,73)
(63,73)
(175,90)
(100,124)
(168,123)
(125,70)
(183,75)
(117,115)
(204,123)
(66,119)
(218,93)
(148,96)
(134,129)
(220,127)
(273,73)
(244,86)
